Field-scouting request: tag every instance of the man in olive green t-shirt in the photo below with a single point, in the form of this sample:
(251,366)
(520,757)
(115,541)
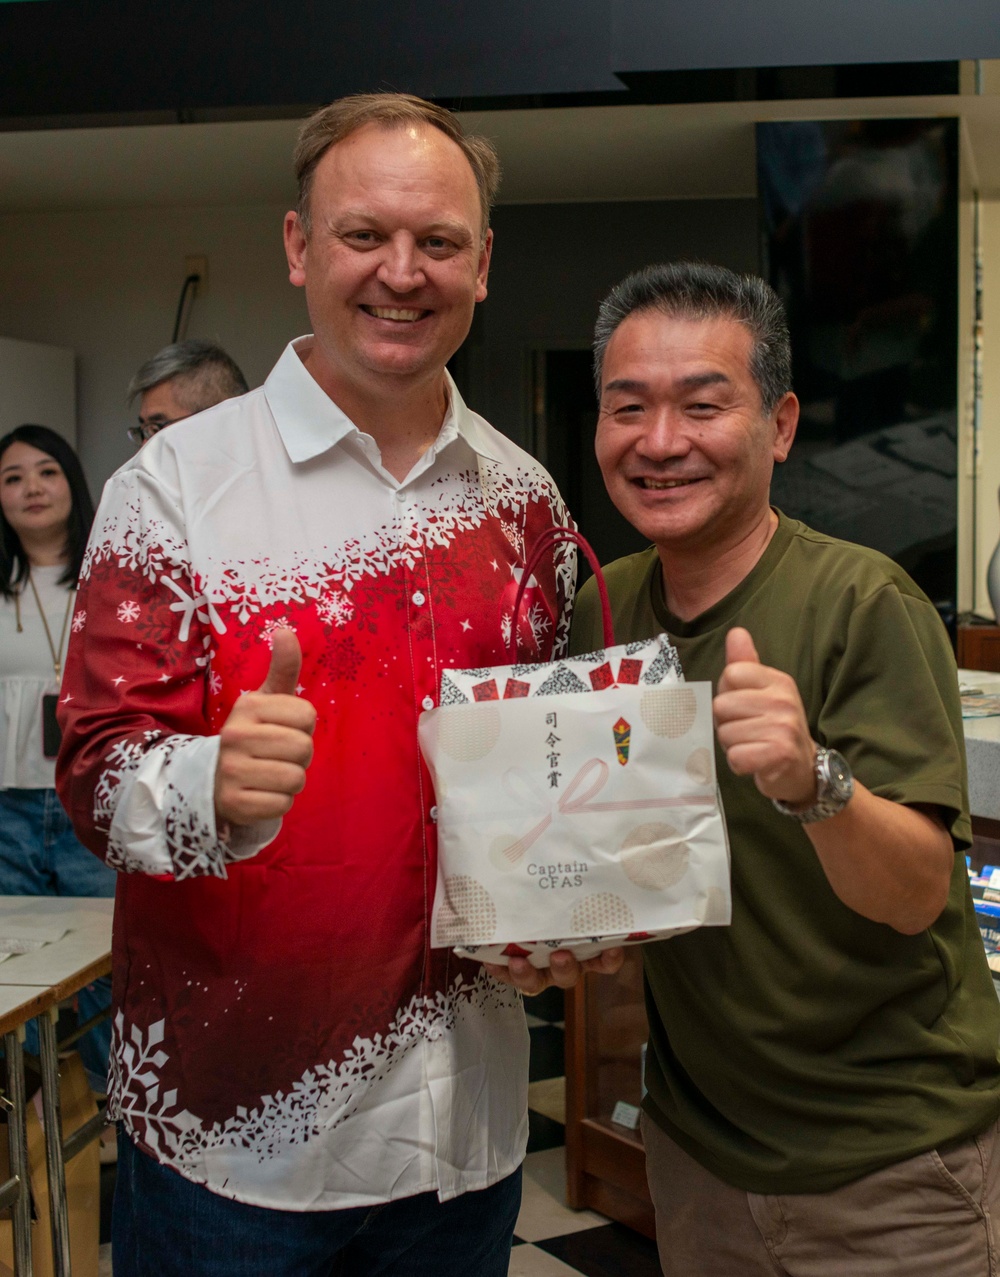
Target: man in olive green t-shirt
(823,1074)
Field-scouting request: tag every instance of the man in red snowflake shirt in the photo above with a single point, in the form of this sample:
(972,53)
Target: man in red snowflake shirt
(265,610)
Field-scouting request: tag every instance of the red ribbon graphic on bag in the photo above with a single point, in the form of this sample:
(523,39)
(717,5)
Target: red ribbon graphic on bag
(571,803)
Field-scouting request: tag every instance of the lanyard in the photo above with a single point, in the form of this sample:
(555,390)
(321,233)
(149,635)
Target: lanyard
(55,653)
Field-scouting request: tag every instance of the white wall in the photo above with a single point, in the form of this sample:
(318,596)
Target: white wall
(106,284)
(37,384)
(988,477)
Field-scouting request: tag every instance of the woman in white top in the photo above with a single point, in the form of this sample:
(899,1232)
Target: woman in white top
(45,517)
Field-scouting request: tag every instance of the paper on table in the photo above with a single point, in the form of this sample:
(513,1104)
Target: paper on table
(983,706)
(24,937)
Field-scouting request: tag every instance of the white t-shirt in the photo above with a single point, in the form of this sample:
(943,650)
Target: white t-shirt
(26,674)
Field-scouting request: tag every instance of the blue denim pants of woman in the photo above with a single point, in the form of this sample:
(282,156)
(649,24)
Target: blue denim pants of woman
(41,856)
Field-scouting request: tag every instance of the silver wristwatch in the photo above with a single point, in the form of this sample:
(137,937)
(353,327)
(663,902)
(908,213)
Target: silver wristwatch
(834,787)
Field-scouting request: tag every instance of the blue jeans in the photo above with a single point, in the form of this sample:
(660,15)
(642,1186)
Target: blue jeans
(40,856)
(165,1226)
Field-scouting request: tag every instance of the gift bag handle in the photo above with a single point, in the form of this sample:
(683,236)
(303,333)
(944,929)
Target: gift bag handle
(549,538)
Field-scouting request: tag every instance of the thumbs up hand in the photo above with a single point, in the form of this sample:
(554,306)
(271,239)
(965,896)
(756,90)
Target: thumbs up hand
(761,724)
(265,744)
(286,663)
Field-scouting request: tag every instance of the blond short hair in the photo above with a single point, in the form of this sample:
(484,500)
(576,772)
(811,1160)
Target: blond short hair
(340,119)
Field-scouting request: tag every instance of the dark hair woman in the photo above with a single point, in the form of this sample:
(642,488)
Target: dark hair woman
(45,517)
(14,561)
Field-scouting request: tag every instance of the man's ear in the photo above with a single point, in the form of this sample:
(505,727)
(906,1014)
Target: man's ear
(484,267)
(296,242)
(786,422)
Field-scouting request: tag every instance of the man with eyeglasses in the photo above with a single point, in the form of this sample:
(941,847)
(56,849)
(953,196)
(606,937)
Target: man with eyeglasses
(181,379)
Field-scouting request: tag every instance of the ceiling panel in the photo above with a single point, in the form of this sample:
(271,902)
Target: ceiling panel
(548,155)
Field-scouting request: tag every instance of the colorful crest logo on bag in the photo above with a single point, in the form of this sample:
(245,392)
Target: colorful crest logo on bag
(623,738)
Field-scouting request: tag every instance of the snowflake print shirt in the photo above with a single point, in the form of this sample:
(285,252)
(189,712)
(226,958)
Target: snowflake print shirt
(283,1032)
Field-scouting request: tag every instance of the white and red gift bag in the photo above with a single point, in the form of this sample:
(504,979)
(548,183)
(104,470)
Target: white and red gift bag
(577,805)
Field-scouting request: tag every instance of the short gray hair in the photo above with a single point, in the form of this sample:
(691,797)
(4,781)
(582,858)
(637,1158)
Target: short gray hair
(203,373)
(695,290)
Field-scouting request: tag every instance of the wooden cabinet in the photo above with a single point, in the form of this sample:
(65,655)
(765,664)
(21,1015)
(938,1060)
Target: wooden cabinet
(985,848)
(605,1032)
(979,647)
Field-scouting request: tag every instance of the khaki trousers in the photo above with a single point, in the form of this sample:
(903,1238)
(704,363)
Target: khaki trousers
(935,1215)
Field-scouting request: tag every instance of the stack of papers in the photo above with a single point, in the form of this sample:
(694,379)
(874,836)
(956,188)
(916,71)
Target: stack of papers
(25,937)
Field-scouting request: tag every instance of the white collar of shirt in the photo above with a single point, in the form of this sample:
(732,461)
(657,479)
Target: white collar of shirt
(309,421)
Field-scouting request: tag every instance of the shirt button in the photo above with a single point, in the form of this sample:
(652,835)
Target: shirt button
(419,599)
(428,702)
(434,813)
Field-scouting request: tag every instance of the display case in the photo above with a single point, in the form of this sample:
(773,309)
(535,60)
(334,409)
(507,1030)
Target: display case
(605,1038)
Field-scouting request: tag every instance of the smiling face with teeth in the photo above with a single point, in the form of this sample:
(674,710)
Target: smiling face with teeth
(683,443)
(393,265)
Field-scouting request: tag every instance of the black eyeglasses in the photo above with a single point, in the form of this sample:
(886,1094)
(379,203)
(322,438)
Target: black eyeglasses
(146,429)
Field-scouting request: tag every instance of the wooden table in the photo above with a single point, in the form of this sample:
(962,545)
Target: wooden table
(31,987)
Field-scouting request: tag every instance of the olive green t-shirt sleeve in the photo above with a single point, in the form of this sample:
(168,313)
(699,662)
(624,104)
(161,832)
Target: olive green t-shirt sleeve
(892,706)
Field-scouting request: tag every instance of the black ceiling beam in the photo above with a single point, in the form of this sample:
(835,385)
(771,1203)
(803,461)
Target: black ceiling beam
(118,60)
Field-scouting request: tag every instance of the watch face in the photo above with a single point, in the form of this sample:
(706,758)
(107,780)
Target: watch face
(834,784)
(841,782)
